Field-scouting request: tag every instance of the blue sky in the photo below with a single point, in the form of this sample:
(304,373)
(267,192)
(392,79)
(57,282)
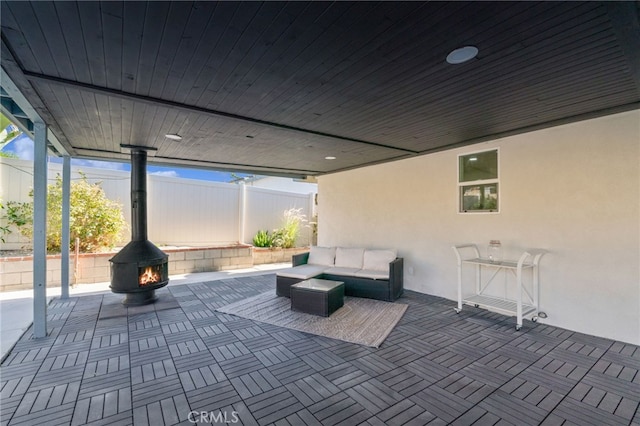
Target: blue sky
(22,146)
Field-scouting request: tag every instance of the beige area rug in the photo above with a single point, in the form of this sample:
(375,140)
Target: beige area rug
(363,321)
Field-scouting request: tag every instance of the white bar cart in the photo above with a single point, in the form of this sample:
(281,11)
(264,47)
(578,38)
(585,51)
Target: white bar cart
(526,302)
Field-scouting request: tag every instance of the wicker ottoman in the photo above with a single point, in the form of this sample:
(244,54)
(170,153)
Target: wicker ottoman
(317,297)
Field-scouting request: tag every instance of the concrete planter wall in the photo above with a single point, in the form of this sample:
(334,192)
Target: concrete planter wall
(263,255)
(16,273)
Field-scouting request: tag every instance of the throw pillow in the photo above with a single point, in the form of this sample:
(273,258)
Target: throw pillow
(322,256)
(378,260)
(349,257)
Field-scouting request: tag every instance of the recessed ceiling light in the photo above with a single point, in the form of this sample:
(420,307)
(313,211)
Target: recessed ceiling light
(173,136)
(329,158)
(462,55)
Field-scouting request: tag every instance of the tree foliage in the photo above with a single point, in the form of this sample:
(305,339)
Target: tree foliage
(8,132)
(4,230)
(94,219)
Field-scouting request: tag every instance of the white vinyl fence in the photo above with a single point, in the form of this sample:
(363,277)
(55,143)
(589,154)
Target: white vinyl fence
(181,212)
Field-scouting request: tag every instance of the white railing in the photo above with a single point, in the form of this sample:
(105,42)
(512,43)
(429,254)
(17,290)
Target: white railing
(181,212)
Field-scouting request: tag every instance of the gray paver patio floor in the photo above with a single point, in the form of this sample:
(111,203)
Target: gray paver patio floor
(107,364)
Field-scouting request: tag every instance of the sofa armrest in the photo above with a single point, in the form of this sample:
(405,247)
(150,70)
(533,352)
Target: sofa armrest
(396,276)
(300,259)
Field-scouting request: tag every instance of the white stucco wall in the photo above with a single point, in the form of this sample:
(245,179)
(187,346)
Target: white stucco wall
(573,190)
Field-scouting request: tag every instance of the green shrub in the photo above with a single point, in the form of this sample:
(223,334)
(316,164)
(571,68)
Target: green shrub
(262,239)
(94,219)
(287,235)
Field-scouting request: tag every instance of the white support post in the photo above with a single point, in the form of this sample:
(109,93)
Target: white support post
(242,212)
(66,237)
(40,231)
(310,217)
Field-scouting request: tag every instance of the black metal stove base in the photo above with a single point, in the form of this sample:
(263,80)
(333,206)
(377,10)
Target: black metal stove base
(140,298)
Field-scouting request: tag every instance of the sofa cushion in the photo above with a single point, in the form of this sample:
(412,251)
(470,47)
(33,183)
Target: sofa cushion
(342,271)
(303,272)
(322,256)
(378,260)
(349,257)
(375,275)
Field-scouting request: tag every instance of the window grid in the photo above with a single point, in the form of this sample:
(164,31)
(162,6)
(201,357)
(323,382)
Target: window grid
(480,195)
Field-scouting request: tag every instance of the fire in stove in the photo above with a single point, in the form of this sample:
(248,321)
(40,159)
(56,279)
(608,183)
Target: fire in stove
(150,275)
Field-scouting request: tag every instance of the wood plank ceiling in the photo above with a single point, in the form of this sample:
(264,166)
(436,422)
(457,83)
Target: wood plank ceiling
(276,87)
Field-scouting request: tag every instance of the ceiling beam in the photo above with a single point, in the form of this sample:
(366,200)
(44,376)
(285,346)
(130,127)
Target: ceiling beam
(13,100)
(41,78)
(625,21)
(528,129)
(204,165)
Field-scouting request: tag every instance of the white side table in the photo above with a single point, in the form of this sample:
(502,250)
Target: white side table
(526,302)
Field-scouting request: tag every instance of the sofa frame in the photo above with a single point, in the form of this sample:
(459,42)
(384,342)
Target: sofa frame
(387,290)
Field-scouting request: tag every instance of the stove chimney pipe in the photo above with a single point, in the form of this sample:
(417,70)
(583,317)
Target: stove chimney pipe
(138,194)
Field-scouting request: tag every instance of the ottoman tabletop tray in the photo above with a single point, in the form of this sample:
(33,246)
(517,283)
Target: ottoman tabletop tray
(317,297)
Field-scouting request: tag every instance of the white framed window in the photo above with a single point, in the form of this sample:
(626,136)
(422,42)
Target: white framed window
(479,182)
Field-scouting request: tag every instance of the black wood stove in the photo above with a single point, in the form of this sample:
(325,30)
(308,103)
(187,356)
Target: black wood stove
(140,267)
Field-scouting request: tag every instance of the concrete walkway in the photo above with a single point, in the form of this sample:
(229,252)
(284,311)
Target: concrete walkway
(16,307)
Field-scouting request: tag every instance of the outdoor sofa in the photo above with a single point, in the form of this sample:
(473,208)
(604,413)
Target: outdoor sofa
(374,274)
